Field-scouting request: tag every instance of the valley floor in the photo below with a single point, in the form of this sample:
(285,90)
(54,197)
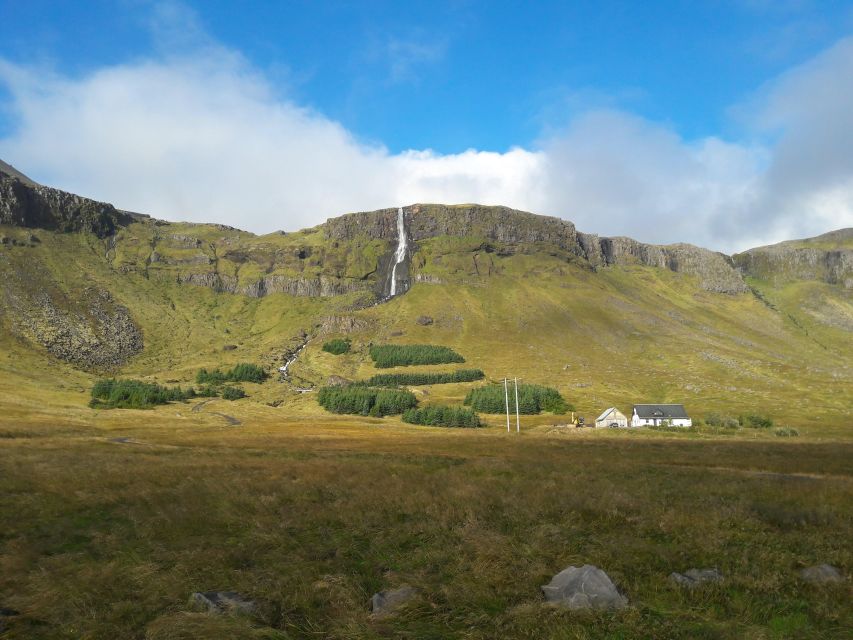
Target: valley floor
(110,520)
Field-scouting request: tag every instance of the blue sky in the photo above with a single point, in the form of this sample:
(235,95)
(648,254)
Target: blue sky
(437,100)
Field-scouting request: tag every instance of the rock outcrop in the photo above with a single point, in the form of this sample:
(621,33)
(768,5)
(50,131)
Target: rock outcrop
(716,271)
(388,602)
(821,574)
(586,587)
(696,577)
(827,258)
(221,602)
(24,203)
(92,332)
(317,287)
(500,224)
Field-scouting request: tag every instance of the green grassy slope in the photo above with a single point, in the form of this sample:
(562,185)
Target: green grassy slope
(616,336)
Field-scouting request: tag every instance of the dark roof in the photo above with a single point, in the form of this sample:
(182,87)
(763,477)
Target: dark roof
(660,411)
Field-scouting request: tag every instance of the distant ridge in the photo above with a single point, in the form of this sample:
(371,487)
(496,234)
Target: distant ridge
(12,171)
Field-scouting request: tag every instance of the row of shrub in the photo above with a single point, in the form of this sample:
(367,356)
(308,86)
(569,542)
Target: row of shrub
(399,355)
(442,416)
(365,401)
(752,421)
(338,346)
(532,399)
(136,394)
(243,372)
(396,379)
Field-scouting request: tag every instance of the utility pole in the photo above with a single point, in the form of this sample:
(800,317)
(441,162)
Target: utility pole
(517,418)
(506,397)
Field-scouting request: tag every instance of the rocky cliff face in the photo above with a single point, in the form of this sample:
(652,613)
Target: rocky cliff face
(342,265)
(24,203)
(827,258)
(716,271)
(318,287)
(500,224)
(91,332)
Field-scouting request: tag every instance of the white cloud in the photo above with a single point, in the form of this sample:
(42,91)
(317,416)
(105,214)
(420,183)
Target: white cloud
(204,137)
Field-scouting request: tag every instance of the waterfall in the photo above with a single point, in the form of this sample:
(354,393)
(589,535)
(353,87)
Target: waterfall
(400,254)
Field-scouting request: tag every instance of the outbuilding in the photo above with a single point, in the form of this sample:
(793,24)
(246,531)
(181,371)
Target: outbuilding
(611,417)
(655,415)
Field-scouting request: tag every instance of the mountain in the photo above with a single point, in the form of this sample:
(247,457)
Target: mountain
(87,289)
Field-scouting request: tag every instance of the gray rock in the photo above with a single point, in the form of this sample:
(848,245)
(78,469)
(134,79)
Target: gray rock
(821,573)
(221,602)
(89,329)
(25,203)
(716,271)
(694,577)
(387,602)
(424,320)
(585,587)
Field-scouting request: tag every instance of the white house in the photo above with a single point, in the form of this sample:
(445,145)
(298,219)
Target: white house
(652,415)
(611,417)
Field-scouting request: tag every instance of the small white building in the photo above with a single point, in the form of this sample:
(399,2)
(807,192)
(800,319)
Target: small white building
(655,415)
(611,417)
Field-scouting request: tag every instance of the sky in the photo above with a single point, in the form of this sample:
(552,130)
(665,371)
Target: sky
(724,123)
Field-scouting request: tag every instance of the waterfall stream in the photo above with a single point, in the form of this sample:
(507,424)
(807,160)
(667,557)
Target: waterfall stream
(400,254)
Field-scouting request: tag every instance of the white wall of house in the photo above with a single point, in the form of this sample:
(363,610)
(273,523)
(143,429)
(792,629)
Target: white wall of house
(614,416)
(637,421)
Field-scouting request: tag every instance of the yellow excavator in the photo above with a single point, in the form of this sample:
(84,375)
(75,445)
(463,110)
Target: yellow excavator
(578,421)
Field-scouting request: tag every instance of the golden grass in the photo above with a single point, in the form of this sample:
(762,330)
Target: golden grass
(105,539)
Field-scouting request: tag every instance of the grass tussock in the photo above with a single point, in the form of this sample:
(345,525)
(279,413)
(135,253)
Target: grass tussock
(400,355)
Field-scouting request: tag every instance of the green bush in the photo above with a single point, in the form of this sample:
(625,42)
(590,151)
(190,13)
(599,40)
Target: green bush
(720,420)
(243,372)
(532,398)
(233,393)
(397,355)
(442,416)
(665,426)
(207,391)
(365,401)
(337,346)
(134,394)
(396,379)
(786,432)
(756,421)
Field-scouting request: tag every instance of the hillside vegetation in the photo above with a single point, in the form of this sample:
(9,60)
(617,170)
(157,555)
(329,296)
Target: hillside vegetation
(320,489)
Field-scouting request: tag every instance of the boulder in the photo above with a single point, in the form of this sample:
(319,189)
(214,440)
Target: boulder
(424,320)
(694,577)
(821,574)
(387,602)
(585,587)
(221,602)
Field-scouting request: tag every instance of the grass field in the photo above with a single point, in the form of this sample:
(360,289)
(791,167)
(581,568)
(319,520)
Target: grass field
(109,522)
